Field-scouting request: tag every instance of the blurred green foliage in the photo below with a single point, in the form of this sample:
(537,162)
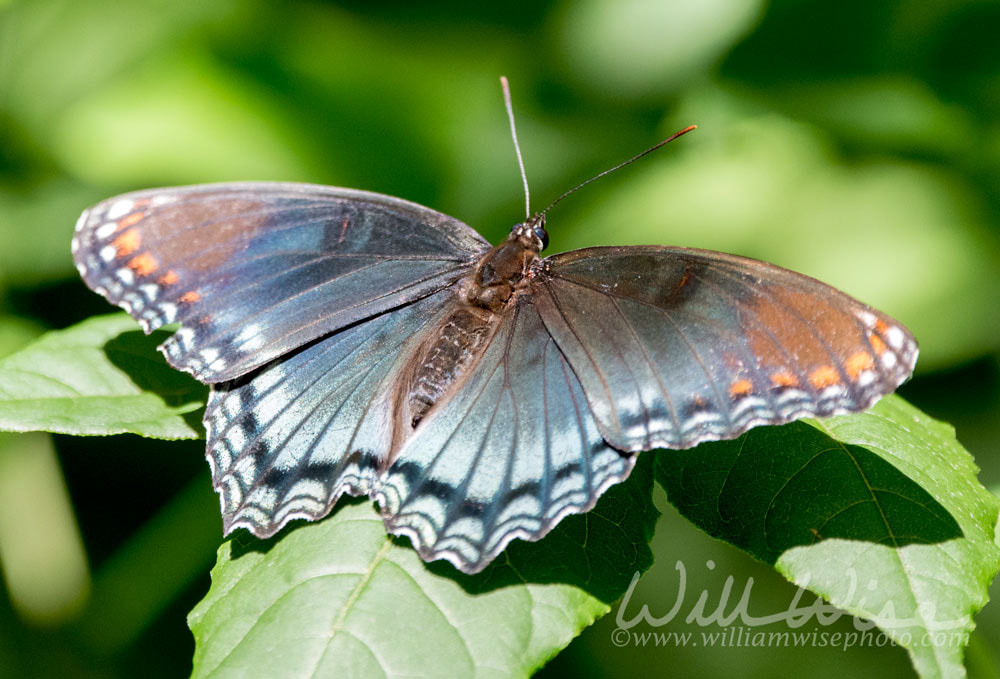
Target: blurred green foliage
(858,142)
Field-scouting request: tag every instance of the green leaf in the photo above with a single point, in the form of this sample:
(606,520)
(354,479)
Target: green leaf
(15,333)
(339,597)
(101,376)
(880,513)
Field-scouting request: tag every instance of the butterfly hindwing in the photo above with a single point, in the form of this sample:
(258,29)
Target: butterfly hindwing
(286,441)
(255,270)
(676,346)
(511,452)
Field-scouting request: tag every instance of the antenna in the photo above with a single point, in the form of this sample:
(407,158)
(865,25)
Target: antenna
(513,133)
(618,166)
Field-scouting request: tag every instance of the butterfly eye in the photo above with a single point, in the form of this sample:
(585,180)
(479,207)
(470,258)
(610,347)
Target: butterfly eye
(542,235)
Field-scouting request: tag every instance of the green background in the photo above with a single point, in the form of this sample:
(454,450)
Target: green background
(858,142)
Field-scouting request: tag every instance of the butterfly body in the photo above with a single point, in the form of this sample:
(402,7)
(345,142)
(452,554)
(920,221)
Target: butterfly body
(453,347)
(358,343)
(481,297)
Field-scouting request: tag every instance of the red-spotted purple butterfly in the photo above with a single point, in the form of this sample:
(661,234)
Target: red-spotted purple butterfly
(359,343)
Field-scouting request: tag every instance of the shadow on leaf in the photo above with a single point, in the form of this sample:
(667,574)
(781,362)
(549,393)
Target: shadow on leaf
(135,354)
(243,542)
(776,488)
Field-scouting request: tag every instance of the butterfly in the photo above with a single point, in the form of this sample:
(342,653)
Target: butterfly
(359,343)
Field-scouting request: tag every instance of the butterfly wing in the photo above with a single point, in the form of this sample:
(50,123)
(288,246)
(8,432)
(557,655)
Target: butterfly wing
(675,346)
(507,456)
(286,441)
(254,270)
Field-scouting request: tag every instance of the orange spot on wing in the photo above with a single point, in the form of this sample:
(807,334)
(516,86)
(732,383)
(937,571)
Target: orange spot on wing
(881,326)
(131,219)
(877,344)
(127,243)
(168,278)
(824,376)
(858,363)
(190,297)
(740,388)
(784,380)
(143,264)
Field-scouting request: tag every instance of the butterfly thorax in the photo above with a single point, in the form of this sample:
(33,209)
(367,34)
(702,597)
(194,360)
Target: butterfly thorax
(441,361)
(502,269)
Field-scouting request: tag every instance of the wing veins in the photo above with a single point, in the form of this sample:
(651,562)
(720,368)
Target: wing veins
(607,388)
(659,383)
(300,328)
(284,378)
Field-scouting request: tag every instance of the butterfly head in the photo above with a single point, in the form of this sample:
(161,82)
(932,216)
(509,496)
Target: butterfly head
(531,233)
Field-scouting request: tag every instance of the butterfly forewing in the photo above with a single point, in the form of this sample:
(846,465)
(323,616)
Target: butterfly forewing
(676,346)
(507,456)
(255,270)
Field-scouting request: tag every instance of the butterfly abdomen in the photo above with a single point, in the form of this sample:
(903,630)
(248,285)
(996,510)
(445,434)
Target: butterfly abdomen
(458,341)
(461,338)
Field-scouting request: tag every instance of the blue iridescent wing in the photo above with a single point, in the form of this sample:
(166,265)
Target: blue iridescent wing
(513,451)
(286,441)
(254,270)
(676,346)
